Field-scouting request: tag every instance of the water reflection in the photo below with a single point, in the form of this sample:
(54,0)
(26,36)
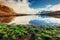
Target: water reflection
(45,20)
(36,20)
(44,16)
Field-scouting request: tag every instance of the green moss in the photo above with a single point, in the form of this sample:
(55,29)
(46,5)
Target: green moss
(22,31)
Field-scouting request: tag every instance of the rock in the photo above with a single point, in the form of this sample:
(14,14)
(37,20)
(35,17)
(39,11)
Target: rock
(4,11)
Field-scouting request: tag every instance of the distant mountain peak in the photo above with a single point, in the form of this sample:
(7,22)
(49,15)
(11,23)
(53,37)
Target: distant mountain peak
(44,12)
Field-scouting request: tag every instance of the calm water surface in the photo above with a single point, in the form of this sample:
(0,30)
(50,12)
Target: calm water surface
(36,20)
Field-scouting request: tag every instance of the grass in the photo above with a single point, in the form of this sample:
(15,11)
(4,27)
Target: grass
(21,32)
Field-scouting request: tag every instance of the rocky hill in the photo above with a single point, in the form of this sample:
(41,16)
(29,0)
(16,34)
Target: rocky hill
(4,11)
(55,14)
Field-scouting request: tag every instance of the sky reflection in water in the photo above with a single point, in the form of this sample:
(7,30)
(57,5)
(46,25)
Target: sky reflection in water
(45,20)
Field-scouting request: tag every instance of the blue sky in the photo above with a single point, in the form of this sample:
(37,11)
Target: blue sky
(42,3)
(35,6)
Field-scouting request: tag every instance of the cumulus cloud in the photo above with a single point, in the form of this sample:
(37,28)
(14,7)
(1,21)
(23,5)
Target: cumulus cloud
(46,8)
(50,8)
(55,7)
(20,6)
(23,7)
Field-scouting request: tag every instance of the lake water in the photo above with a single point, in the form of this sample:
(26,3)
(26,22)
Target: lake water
(36,20)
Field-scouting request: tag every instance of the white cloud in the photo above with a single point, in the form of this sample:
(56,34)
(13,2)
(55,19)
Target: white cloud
(49,8)
(23,7)
(55,7)
(20,7)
